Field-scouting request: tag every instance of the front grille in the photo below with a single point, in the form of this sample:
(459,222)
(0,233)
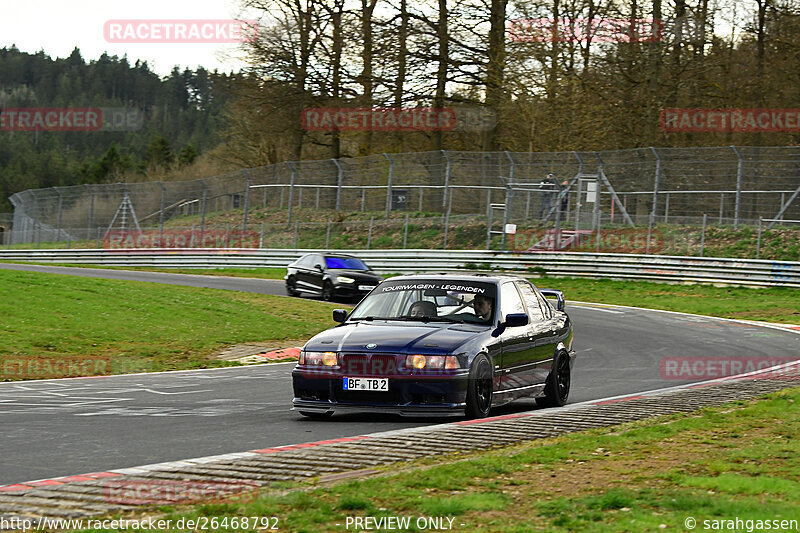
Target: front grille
(385,365)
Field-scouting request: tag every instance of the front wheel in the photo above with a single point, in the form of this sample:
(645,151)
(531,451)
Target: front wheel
(556,390)
(291,286)
(479,388)
(327,291)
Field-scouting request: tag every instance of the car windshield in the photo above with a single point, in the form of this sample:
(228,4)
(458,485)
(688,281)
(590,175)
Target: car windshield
(350,263)
(429,300)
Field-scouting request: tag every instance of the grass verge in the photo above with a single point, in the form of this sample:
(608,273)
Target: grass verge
(139,326)
(739,461)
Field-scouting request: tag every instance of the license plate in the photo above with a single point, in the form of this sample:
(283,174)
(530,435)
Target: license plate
(366,287)
(368,384)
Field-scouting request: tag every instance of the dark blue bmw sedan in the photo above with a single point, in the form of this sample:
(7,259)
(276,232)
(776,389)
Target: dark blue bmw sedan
(439,344)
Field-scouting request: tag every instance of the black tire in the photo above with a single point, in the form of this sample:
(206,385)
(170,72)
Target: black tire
(318,416)
(479,388)
(327,291)
(291,286)
(556,390)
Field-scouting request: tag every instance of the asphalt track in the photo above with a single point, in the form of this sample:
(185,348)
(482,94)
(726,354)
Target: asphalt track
(64,427)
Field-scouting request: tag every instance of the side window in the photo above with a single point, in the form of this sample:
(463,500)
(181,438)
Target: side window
(306,261)
(316,259)
(534,305)
(510,300)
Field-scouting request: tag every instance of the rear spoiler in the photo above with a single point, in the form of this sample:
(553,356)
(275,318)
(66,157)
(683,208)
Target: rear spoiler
(557,294)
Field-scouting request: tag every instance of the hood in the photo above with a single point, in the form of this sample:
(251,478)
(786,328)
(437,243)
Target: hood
(395,337)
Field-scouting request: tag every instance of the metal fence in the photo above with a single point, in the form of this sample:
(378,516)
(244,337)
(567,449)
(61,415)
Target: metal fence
(576,191)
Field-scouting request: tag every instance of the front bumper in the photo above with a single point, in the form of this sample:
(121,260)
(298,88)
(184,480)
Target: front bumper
(429,395)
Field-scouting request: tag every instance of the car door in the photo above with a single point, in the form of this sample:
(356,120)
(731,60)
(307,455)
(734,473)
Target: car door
(540,330)
(304,273)
(316,273)
(518,357)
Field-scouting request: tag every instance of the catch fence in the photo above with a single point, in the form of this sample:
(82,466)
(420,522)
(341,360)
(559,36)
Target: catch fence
(571,191)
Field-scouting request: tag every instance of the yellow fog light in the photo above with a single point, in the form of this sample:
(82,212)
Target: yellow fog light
(329,359)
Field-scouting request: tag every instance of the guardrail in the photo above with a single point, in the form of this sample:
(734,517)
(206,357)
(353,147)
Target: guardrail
(746,272)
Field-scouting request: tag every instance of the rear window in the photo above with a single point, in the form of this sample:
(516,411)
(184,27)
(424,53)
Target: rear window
(350,263)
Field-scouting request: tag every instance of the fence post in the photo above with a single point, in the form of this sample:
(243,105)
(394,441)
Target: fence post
(405,233)
(328,234)
(363,199)
(446,179)
(369,235)
(703,236)
(290,164)
(98,237)
(738,187)
(578,193)
(389,185)
(657,180)
(509,196)
(246,199)
(339,178)
(447,203)
(60,209)
(203,210)
(599,214)
(758,245)
(91,206)
(261,236)
(296,230)
(721,205)
(161,213)
(666,210)
(649,232)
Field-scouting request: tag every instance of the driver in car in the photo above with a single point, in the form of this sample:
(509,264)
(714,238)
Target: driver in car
(483,307)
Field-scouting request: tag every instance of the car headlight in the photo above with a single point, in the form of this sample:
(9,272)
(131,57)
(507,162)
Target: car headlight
(318,358)
(345,279)
(432,362)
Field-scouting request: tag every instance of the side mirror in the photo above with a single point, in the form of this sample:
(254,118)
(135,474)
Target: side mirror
(339,315)
(514,320)
(318,267)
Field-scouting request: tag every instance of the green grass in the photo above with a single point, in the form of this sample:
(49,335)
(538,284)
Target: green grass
(143,326)
(739,460)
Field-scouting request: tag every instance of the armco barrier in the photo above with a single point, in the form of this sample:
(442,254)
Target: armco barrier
(587,265)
